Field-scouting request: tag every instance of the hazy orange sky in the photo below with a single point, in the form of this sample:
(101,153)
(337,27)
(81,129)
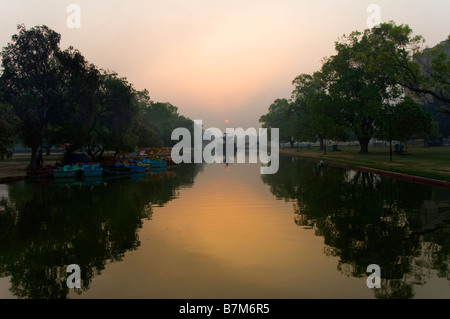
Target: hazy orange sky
(216,60)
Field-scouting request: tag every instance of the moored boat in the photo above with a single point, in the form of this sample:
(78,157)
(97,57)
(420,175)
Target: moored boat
(91,170)
(135,168)
(66,171)
(41,172)
(144,162)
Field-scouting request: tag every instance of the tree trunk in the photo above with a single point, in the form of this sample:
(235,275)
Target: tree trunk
(364,144)
(47,148)
(101,153)
(322,144)
(33,160)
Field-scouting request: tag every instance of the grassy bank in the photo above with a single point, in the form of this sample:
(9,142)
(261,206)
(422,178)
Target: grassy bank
(429,162)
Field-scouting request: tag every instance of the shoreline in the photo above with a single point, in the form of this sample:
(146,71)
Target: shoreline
(14,169)
(403,176)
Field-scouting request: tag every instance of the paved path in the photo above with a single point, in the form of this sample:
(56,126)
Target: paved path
(15,168)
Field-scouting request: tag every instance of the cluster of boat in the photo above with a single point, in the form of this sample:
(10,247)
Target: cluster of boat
(101,169)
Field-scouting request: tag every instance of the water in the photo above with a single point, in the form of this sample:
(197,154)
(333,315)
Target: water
(218,231)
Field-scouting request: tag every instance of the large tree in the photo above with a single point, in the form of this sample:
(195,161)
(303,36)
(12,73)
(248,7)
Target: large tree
(156,121)
(71,122)
(9,124)
(31,82)
(408,120)
(316,115)
(359,81)
(114,116)
(281,115)
(424,72)
(147,132)
(304,87)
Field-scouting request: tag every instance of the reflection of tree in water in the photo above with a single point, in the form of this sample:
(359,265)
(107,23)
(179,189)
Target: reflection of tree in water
(366,219)
(50,227)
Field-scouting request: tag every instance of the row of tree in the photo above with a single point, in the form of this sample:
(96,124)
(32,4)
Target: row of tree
(52,96)
(374,73)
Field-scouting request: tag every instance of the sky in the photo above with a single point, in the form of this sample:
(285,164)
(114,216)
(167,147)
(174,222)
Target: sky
(223,62)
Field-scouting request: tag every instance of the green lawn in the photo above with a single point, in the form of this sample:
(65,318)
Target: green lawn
(430,162)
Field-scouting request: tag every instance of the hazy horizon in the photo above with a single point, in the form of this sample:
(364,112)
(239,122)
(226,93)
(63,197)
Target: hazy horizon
(216,60)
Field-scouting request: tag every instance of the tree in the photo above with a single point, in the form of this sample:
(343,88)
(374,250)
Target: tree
(441,118)
(30,81)
(163,116)
(304,87)
(359,80)
(280,116)
(428,74)
(315,109)
(146,130)
(60,97)
(9,124)
(157,120)
(70,123)
(114,116)
(408,119)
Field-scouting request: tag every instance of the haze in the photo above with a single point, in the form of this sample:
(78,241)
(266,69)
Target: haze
(216,60)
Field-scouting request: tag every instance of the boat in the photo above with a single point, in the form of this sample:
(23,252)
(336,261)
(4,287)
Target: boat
(66,171)
(41,172)
(91,170)
(145,162)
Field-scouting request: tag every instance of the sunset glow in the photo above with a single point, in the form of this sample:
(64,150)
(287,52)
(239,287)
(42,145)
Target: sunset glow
(264,151)
(212,57)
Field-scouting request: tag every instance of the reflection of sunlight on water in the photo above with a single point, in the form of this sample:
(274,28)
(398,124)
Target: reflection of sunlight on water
(226,237)
(233,233)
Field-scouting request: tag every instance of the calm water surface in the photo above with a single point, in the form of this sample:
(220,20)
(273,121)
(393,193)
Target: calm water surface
(217,231)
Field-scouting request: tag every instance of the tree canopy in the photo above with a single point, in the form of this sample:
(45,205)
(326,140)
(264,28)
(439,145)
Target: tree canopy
(31,82)
(370,75)
(60,97)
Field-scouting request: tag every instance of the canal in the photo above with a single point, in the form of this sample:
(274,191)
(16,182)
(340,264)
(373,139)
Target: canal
(226,231)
